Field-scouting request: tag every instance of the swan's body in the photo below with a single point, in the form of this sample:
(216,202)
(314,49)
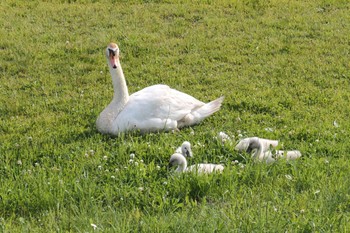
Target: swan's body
(185,149)
(181,162)
(151,109)
(260,149)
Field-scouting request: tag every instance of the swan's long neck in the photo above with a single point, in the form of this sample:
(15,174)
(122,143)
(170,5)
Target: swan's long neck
(121,93)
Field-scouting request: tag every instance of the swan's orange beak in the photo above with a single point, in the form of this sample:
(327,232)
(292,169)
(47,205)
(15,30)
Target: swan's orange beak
(113,59)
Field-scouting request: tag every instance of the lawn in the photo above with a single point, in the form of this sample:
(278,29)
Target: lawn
(283,67)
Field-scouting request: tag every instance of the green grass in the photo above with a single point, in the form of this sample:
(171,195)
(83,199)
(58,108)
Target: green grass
(283,67)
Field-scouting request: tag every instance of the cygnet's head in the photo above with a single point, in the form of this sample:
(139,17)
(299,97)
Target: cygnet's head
(112,55)
(186,149)
(177,159)
(248,144)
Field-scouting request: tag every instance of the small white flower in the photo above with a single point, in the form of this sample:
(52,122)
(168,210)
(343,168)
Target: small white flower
(19,162)
(37,164)
(113,177)
(141,161)
(92,152)
(165,183)
(335,123)
(223,137)
(132,156)
(158,167)
(30,138)
(326,161)
(131,161)
(116,170)
(140,189)
(289,177)
(302,211)
(86,155)
(93,226)
(99,167)
(241,165)
(101,72)
(275,209)
(136,163)
(105,157)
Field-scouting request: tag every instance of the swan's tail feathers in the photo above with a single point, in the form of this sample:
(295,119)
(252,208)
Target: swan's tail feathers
(209,108)
(198,114)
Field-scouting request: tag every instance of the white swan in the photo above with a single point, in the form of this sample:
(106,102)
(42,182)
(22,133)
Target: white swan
(181,162)
(154,108)
(260,149)
(185,149)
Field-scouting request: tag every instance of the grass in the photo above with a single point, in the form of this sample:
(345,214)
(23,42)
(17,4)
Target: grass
(283,67)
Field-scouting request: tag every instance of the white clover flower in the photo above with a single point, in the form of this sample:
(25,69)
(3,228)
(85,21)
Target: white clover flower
(165,183)
(158,167)
(19,162)
(93,226)
(302,211)
(113,177)
(132,156)
(141,161)
(30,138)
(131,161)
(275,209)
(223,137)
(289,177)
(116,170)
(99,167)
(136,163)
(105,157)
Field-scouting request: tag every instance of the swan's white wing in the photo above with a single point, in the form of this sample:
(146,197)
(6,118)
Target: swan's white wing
(156,107)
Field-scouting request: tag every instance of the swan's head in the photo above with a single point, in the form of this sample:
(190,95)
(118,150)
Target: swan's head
(112,55)
(186,149)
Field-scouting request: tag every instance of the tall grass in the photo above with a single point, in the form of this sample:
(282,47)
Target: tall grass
(282,66)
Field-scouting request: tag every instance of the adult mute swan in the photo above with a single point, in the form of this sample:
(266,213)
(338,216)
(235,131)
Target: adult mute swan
(151,109)
(185,149)
(181,162)
(260,149)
